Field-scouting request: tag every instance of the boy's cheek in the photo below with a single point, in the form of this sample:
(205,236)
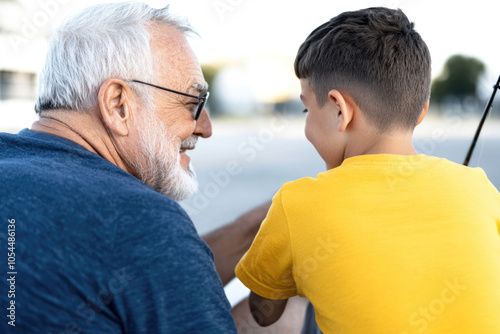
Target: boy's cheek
(308,131)
(324,141)
(314,129)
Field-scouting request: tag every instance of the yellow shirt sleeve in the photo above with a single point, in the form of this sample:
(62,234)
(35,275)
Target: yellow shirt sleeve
(496,197)
(267,267)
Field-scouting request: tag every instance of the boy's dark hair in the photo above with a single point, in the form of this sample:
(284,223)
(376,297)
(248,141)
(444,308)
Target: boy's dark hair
(375,56)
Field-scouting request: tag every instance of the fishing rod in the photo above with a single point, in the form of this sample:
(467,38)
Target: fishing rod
(485,114)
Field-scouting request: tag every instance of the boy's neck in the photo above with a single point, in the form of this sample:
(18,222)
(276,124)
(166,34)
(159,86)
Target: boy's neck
(384,143)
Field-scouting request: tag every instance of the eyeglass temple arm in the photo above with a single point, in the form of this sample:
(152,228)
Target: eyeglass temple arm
(168,90)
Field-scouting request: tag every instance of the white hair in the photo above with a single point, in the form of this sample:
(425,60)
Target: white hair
(101,42)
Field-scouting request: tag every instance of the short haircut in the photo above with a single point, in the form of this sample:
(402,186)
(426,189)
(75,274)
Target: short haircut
(375,56)
(101,42)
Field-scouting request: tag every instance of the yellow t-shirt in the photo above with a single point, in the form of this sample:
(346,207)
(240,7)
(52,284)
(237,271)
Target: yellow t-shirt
(385,244)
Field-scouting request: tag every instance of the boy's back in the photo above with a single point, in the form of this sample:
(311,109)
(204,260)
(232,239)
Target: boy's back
(385,244)
(385,241)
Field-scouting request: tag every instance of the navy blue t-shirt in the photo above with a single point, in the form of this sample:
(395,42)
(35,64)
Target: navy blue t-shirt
(94,250)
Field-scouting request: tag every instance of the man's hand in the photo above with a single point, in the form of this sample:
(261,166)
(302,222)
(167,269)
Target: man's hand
(229,243)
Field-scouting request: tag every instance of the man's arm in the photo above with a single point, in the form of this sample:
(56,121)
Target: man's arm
(174,270)
(266,311)
(230,242)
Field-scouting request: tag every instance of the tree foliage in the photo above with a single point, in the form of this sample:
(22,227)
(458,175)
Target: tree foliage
(210,72)
(459,78)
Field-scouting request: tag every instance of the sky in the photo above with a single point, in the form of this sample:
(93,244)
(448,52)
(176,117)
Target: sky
(264,35)
(279,27)
(233,29)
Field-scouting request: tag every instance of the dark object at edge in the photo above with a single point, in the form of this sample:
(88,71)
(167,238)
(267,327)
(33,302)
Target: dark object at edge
(485,114)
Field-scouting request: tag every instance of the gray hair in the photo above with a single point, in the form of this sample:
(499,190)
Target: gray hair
(101,42)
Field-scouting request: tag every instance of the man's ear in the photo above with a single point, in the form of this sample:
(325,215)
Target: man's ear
(115,100)
(424,112)
(343,108)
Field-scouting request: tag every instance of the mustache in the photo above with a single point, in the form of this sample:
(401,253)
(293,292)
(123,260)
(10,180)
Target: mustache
(189,142)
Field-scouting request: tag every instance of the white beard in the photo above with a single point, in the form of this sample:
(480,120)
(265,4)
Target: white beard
(159,162)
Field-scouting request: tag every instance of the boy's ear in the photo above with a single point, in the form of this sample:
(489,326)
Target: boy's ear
(343,108)
(423,113)
(115,100)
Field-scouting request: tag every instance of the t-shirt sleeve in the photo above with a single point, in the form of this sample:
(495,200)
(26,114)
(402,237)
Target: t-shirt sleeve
(496,198)
(490,195)
(168,279)
(267,267)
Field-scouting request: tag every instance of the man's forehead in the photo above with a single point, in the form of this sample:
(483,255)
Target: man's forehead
(169,43)
(174,59)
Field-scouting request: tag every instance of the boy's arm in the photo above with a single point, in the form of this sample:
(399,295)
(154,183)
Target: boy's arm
(267,268)
(266,311)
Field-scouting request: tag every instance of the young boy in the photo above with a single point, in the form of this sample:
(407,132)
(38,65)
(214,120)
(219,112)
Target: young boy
(386,240)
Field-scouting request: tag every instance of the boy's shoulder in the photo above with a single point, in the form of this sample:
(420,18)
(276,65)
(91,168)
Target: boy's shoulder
(385,170)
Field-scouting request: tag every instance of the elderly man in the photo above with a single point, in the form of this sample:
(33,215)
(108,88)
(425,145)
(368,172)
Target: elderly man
(97,243)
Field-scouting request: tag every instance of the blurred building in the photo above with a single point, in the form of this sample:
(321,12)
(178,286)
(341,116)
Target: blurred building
(24,27)
(258,84)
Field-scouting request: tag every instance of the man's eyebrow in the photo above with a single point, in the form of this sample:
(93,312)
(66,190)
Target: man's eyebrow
(301,97)
(200,87)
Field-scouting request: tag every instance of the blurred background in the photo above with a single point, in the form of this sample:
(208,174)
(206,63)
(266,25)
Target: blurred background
(247,49)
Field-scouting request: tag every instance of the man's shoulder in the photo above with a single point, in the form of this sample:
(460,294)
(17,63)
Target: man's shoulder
(42,153)
(53,170)
(40,162)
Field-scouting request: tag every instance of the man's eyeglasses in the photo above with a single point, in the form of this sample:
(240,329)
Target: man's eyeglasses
(202,100)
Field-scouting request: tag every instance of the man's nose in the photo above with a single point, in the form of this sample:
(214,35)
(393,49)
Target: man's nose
(203,125)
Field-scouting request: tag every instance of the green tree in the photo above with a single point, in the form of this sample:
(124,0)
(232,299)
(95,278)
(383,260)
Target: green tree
(210,72)
(459,78)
